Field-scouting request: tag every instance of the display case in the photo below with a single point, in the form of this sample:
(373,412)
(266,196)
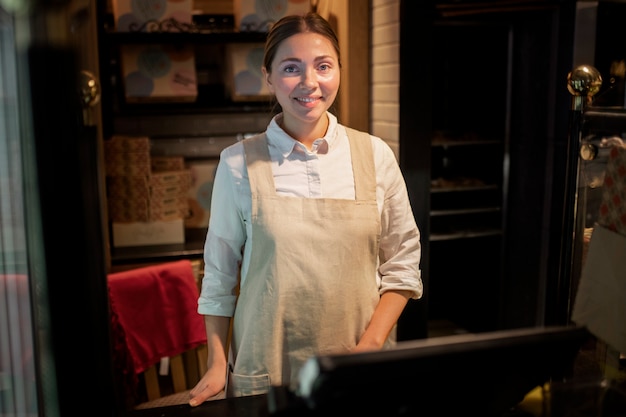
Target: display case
(593,264)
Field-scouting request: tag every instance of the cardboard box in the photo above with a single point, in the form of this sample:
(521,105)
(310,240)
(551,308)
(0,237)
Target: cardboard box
(214,6)
(128,169)
(127,158)
(170,178)
(148,233)
(200,193)
(127,215)
(151,15)
(244,79)
(156,184)
(159,73)
(127,163)
(141,204)
(126,186)
(168,192)
(122,143)
(168,214)
(133,208)
(259,16)
(167,163)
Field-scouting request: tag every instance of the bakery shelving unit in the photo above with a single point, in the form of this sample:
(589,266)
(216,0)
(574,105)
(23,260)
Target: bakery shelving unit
(196,130)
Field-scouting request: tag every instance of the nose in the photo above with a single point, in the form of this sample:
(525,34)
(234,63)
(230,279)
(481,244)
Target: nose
(309,78)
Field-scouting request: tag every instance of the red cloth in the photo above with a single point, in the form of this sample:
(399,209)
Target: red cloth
(154,311)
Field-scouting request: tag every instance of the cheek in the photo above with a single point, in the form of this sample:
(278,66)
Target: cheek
(331,83)
(284,85)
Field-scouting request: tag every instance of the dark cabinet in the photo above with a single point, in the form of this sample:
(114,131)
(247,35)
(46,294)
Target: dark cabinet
(469,171)
(483,138)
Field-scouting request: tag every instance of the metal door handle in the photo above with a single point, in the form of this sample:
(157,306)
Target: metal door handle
(89,95)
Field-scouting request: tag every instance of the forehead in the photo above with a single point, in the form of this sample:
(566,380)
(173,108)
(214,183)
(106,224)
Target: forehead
(306,45)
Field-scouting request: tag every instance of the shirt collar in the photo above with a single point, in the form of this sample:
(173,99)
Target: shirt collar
(278,138)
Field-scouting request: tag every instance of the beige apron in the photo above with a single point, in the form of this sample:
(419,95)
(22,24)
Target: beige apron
(311,286)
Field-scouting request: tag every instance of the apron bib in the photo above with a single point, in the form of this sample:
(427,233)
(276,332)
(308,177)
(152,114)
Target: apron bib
(311,287)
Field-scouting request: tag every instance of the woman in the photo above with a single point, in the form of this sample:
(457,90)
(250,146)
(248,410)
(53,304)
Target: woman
(312,247)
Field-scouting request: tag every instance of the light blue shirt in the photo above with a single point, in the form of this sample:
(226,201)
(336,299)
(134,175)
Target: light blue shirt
(325,171)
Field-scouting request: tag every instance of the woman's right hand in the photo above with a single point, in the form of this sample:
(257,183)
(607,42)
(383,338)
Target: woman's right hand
(213,381)
(211,384)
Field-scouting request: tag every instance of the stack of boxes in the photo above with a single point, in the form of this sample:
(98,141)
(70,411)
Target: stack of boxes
(147,196)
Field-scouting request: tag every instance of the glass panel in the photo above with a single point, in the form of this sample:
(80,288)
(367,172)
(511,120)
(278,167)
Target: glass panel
(599,285)
(27,371)
(17,367)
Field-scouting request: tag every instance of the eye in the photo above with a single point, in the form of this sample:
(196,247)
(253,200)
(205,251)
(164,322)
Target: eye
(290,69)
(324,67)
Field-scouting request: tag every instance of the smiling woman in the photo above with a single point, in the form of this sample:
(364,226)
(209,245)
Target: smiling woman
(320,209)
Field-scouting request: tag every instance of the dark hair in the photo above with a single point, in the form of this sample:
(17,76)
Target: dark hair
(292,25)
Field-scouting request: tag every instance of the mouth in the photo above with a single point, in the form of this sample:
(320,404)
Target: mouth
(307,100)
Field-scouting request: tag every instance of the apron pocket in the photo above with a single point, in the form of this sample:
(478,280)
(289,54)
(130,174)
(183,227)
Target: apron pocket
(245,385)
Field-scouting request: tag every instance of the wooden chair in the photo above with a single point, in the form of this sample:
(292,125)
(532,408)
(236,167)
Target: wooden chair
(169,382)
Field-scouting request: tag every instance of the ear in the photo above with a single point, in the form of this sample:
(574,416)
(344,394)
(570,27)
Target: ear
(266,78)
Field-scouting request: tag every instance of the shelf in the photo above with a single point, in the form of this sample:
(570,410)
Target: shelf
(156,253)
(463,142)
(192,248)
(198,107)
(454,212)
(197,147)
(205,28)
(203,125)
(463,188)
(218,37)
(466,234)
(483,9)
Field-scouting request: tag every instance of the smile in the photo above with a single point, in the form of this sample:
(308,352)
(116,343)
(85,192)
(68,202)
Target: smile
(306,99)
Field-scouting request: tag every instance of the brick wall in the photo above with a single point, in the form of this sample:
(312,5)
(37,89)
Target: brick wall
(385,71)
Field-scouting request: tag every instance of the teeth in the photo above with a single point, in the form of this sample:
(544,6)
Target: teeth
(306,100)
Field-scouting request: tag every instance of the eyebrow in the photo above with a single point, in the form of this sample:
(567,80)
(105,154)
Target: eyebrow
(319,58)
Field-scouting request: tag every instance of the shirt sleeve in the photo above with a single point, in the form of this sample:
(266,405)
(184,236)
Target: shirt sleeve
(400,247)
(225,238)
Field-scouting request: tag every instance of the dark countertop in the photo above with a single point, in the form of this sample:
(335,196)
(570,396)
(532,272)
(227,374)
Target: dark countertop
(258,406)
(254,406)
(279,402)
